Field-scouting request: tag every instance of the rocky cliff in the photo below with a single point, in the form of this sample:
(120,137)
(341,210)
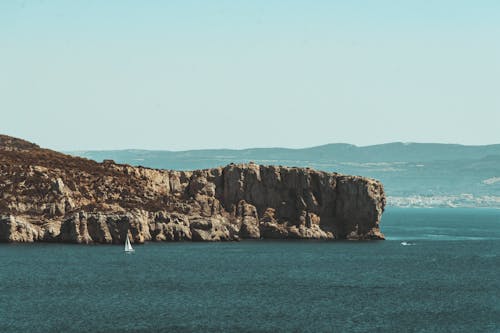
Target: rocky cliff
(51,197)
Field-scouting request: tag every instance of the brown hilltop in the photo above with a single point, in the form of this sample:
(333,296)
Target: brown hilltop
(49,196)
(10,143)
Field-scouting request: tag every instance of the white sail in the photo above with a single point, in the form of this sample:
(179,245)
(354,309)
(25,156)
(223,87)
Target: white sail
(128,246)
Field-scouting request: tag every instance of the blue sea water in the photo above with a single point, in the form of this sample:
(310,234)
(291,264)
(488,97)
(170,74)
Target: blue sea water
(448,281)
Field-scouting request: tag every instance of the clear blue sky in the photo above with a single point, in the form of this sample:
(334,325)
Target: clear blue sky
(235,74)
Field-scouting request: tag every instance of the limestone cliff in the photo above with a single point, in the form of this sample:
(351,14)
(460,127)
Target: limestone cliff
(51,197)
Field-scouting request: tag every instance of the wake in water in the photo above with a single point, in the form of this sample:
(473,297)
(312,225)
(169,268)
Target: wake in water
(407,243)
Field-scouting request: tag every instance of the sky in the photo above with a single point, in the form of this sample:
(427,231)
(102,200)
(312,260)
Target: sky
(177,75)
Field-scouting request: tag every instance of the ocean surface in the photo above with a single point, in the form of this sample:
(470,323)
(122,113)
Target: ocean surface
(447,281)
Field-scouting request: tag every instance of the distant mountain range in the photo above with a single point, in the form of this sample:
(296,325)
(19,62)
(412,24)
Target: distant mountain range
(414,174)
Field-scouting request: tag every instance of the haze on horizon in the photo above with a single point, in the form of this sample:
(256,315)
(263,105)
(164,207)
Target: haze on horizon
(188,74)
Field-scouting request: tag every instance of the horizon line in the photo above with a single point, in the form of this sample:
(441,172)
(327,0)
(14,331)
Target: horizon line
(404,143)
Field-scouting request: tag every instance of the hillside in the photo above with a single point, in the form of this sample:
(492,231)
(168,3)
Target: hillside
(53,197)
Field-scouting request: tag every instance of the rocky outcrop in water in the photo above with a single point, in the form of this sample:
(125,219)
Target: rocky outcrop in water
(51,197)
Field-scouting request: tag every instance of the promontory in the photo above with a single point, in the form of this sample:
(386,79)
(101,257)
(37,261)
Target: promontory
(47,196)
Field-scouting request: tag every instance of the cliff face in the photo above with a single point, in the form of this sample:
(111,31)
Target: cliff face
(52,197)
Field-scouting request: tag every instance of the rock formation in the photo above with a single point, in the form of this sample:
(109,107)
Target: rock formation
(52,197)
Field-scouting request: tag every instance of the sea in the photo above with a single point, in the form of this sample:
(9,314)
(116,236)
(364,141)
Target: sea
(445,279)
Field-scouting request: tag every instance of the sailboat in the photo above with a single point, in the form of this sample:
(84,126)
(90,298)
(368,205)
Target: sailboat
(128,246)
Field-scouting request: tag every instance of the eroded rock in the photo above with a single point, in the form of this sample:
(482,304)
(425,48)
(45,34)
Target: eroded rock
(49,196)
